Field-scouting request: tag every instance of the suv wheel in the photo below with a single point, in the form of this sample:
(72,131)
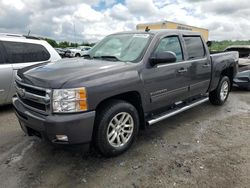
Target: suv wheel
(220,95)
(77,55)
(116,128)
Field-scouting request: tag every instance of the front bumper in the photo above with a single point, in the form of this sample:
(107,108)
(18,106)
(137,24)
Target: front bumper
(77,127)
(70,55)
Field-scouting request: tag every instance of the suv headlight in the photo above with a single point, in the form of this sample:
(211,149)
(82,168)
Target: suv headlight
(70,100)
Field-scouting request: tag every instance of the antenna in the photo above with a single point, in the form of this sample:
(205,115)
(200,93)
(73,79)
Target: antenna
(147,29)
(28,33)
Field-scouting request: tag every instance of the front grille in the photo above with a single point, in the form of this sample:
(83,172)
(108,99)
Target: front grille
(33,104)
(32,90)
(35,98)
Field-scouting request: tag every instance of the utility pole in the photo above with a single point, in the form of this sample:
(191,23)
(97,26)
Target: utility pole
(74,33)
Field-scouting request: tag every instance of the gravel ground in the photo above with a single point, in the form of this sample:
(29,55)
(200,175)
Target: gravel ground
(206,146)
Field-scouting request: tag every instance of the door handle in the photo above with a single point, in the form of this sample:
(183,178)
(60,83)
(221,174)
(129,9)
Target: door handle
(206,65)
(182,70)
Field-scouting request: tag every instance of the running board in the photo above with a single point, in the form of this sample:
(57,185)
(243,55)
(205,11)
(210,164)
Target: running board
(172,113)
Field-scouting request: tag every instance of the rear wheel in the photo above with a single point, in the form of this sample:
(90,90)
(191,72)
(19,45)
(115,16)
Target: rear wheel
(220,94)
(77,55)
(116,128)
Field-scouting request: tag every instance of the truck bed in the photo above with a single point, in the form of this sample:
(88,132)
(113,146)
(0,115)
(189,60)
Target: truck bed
(221,60)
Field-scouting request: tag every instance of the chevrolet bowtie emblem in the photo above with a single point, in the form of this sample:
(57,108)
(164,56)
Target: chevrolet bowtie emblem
(21,92)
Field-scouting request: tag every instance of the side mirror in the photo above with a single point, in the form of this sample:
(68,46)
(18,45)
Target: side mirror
(163,57)
(209,43)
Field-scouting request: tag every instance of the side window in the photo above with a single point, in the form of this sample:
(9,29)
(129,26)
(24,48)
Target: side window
(195,48)
(171,44)
(19,52)
(2,61)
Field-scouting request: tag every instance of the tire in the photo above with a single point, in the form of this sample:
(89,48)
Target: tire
(220,94)
(108,131)
(77,55)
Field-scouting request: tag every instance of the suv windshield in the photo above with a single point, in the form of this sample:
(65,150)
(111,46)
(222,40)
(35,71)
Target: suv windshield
(121,47)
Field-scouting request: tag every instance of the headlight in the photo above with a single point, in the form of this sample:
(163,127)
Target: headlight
(69,100)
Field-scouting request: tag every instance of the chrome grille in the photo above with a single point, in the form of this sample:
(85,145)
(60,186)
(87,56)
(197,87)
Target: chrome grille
(34,98)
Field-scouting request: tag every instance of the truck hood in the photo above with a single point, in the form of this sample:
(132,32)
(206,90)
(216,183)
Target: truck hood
(57,74)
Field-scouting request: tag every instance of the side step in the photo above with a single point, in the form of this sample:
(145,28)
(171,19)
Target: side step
(177,111)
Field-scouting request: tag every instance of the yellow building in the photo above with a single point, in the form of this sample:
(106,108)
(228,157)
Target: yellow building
(173,25)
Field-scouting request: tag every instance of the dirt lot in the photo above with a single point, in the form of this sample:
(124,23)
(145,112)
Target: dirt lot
(206,146)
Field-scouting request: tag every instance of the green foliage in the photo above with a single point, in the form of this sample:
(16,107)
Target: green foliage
(65,44)
(52,42)
(221,45)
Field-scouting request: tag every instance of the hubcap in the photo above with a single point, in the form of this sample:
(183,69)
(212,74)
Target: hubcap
(224,90)
(120,129)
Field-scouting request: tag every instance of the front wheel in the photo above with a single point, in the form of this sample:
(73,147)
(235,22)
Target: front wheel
(220,94)
(116,128)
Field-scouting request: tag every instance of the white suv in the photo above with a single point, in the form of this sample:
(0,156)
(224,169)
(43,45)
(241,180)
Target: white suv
(16,52)
(77,52)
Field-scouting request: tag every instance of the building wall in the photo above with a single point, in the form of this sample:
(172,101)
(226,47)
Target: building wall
(173,25)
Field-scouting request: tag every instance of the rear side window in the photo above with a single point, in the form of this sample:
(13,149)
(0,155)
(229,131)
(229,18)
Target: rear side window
(195,48)
(171,44)
(19,52)
(2,61)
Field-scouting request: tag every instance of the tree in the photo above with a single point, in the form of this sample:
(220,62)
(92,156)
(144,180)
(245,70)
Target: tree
(52,42)
(63,44)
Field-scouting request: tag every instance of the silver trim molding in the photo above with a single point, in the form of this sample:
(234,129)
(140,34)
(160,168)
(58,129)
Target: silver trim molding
(167,115)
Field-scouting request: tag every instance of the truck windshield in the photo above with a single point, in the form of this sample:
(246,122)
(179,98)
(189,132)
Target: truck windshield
(121,47)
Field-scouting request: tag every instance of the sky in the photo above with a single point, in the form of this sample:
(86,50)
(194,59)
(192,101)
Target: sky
(91,20)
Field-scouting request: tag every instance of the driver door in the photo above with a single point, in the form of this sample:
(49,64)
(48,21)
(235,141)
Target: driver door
(167,83)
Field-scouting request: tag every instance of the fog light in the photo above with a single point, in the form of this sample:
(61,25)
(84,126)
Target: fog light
(63,138)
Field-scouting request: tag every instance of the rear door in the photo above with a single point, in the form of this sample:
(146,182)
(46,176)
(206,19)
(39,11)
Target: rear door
(200,69)
(5,76)
(167,83)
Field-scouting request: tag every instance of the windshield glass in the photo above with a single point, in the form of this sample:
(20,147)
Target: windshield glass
(122,47)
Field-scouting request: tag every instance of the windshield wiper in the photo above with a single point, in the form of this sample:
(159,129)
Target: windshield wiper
(108,57)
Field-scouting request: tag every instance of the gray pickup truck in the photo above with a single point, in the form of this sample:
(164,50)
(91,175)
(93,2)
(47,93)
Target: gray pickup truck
(128,81)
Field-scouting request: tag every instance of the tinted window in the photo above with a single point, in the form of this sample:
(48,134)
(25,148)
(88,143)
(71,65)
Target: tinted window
(195,48)
(171,44)
(18,52)
(1,55)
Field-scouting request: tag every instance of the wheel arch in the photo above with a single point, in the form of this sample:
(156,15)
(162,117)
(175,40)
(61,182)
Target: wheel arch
(229,72)
(132,97)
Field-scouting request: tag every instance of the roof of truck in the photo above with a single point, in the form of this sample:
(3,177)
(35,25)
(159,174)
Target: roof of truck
(161,32)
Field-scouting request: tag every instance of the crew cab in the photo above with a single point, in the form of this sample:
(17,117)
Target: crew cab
(128,81)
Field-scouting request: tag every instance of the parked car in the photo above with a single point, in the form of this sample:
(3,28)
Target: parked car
(242,80)
(128,81)
(61,51)
(77,52)
(244,53)
(16,52)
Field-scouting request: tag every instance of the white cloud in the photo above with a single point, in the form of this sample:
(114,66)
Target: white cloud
(85,13)
(93,19)
(141,7)
(120,12)
(18,4)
